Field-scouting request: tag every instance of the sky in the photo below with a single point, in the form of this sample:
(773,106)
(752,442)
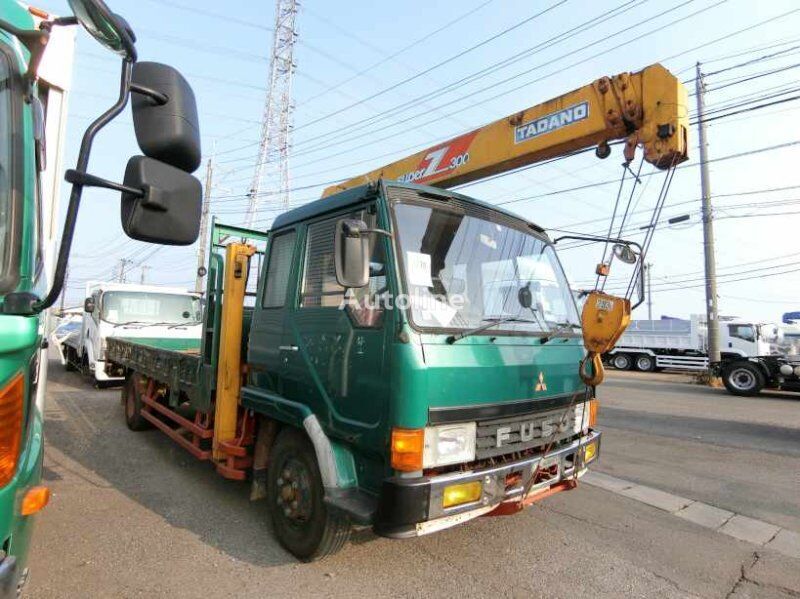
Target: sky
(357,59)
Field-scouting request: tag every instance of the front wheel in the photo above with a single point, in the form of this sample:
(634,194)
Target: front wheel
(743,378)
(303,523)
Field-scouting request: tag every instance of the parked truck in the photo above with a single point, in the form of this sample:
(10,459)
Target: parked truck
(132,311)
(36,52)
(749,376)
(648,345)
(412,358)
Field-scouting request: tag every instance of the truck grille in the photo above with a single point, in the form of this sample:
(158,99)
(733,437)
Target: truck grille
(518,433)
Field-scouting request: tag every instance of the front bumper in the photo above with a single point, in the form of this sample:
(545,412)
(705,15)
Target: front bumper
(101,374)
(410,507)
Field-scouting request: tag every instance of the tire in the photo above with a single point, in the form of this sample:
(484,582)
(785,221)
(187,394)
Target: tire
(743,378)
(645,363)
(302,522)
(621,361)
(69,366)
(132,403)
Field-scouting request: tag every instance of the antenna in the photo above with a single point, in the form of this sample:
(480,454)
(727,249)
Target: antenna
(273,151)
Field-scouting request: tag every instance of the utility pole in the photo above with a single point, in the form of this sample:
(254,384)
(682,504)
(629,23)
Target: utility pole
(64,290)
(123,262)
(143,272)
(648,266)
(203,241)
(712,313)
(276,121)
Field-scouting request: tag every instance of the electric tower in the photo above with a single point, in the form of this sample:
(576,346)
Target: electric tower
(273,152)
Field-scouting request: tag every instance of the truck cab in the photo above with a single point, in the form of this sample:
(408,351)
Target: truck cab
(132,311)
(32,121)
(431,394)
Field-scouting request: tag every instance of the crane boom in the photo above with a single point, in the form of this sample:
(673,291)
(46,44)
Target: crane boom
(648,108)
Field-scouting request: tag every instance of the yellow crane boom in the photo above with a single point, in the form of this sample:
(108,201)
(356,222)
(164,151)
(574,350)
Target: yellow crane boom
(647,109)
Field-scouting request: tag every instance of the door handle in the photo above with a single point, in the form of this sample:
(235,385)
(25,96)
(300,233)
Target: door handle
(288,348)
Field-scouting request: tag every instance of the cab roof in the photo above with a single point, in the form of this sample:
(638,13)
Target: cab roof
(355,195)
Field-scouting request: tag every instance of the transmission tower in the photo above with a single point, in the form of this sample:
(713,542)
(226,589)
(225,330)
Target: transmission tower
(273,151)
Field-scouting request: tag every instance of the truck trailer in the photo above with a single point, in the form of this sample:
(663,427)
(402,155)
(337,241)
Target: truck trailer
(648,345)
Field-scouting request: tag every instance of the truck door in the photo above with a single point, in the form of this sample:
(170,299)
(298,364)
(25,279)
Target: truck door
(267,352)
(341,363)
(741,340)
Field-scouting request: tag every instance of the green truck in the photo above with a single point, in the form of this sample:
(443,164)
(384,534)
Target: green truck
(408,360)
(160,203)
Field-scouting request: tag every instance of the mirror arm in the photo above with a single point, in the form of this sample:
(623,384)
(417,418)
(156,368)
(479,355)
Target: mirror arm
(378,232)
(596,238)
(158,97)
(87,180)
(77,190)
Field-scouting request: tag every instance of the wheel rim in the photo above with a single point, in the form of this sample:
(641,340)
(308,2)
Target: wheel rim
(742,379)
(644,363)
(621,362)
(293,493)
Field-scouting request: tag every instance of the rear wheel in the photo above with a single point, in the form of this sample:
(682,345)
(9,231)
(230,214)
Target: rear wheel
(743,378)
(621,361)
(303,523)
(132,401)
(645,363)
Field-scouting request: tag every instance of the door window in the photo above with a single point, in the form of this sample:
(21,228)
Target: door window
(279,267)
(320,287)
(742,331)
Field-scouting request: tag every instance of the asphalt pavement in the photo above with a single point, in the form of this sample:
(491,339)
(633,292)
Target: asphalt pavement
(133,515)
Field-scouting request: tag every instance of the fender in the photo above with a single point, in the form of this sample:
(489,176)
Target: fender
(336,463)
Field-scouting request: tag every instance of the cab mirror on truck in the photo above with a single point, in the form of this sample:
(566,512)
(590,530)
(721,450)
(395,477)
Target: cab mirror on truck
(165,115)
(351,253)
(88,305)
(161,203)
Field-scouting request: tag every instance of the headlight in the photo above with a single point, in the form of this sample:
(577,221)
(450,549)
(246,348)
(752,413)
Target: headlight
(449,444)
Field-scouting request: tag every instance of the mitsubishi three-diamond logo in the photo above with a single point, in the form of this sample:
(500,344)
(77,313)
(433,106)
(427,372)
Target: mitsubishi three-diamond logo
(541,385)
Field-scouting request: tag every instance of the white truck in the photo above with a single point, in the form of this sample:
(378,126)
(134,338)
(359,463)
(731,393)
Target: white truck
(649,345)
(130,311)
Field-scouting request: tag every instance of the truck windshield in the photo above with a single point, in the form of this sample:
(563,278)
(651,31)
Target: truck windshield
(462,271)
(149,308)
(6,127)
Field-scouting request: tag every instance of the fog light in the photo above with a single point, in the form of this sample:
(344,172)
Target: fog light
(589,452)
(462,493)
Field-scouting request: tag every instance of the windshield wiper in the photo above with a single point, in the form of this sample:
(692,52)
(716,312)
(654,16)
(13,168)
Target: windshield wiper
(493,323)
(129,322)
(184,324)
(561,328)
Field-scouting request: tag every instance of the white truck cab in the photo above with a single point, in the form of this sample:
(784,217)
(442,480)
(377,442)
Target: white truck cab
(130,311)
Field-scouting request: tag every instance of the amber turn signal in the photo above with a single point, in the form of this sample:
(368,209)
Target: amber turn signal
(593,407)
(11,409)
(35,500)
(407,448)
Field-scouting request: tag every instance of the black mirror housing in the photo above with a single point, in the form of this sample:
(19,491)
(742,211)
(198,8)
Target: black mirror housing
(168,210)
(88,305)
(165,119)
(351,253)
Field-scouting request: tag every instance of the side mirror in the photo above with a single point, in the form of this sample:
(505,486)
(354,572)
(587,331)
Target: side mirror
(88,305)
(165,115)
(624,253)
(168,209)
(104,26)
(351,253)
(524,296)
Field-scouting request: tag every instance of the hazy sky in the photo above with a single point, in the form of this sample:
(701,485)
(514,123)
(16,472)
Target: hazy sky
(349,51)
